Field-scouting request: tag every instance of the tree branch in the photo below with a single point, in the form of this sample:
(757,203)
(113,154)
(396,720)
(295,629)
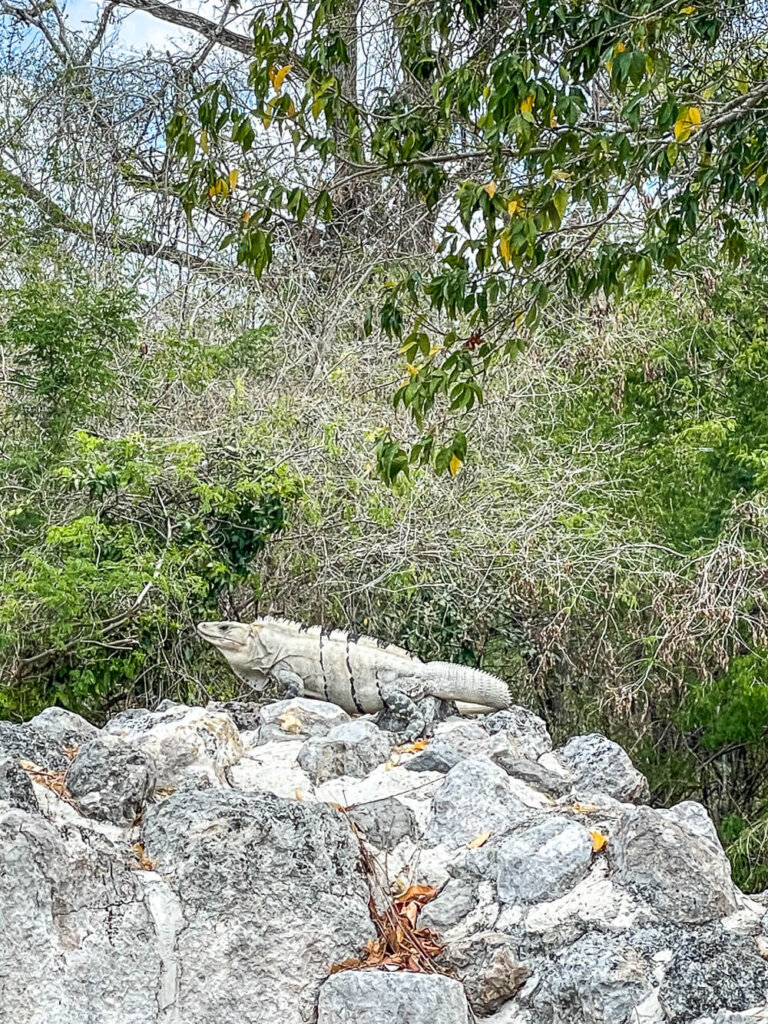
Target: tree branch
(195,22)
(149,247)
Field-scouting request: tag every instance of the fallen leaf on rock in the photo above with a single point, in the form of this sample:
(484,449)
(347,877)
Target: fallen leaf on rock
(400,945)
(55,781)
(298,794)
(598,841)
(480,840)
(411,748)
(70,752)
(584,808)
(142,862)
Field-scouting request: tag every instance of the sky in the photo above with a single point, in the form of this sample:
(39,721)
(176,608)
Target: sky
(139,31)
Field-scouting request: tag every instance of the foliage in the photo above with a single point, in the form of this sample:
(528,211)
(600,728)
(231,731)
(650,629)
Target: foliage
(572,149)
(111,546)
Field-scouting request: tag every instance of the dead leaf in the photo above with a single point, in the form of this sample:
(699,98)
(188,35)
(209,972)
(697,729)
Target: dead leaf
(56,781)
(584,808)
(420,894)
(298,794)
(411,748)
(480,840)
(142,862)
(598,841)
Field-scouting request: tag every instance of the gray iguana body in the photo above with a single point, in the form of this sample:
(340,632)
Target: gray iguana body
(361,675)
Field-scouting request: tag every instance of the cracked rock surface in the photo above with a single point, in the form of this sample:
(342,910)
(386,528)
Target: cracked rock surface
(210,866)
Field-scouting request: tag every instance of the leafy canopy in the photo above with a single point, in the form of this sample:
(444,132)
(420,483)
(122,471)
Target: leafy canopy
(563,149)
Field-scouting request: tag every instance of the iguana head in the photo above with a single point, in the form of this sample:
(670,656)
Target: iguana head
(238,642)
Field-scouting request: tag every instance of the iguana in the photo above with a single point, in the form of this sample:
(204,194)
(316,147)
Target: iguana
(361,675)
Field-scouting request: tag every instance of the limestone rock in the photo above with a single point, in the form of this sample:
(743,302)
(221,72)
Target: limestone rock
(272,768)
(246,714)
(488,967)
(351,749)
(272,896)
(79,939)
(597,978)
(705,970)
(543,861)
(377,997)
(455,901)
(532,773)
(438,756)
(300,716)
(25,742)
(110,780)
(598,765)
(15,786)
(182,742)
(63,728)
(682,875)
(476,797)
(526,733)
(385,823)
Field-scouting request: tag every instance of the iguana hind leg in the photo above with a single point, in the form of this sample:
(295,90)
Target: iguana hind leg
(289,683)
(409,722)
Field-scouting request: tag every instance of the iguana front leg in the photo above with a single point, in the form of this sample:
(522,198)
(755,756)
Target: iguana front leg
(406,710)
(289,683)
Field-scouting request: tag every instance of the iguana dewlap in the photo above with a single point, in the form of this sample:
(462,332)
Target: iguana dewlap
(360,675)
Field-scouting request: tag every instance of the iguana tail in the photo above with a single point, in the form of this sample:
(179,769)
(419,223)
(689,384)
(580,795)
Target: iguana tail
(462,683)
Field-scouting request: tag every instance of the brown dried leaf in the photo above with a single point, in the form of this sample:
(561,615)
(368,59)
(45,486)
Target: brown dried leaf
(142,862)
(420,894)
(56,781)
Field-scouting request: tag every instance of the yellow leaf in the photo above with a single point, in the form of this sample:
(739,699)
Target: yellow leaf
(584,808)
(454,465)
(411,748)
(411,370)
(515,206)
(480,840)
(552,118)
(527,105)
(298,794)
(619,48)
(490,188)
(317,107)
(233,176)
(690,9)
(204,140)
(688,119)
(246,216)
(504,248)
(291,109)
(761,179)
(278,77)
(433,350)
(598,841)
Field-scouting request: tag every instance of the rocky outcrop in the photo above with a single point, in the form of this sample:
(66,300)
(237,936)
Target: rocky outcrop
(204,865)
